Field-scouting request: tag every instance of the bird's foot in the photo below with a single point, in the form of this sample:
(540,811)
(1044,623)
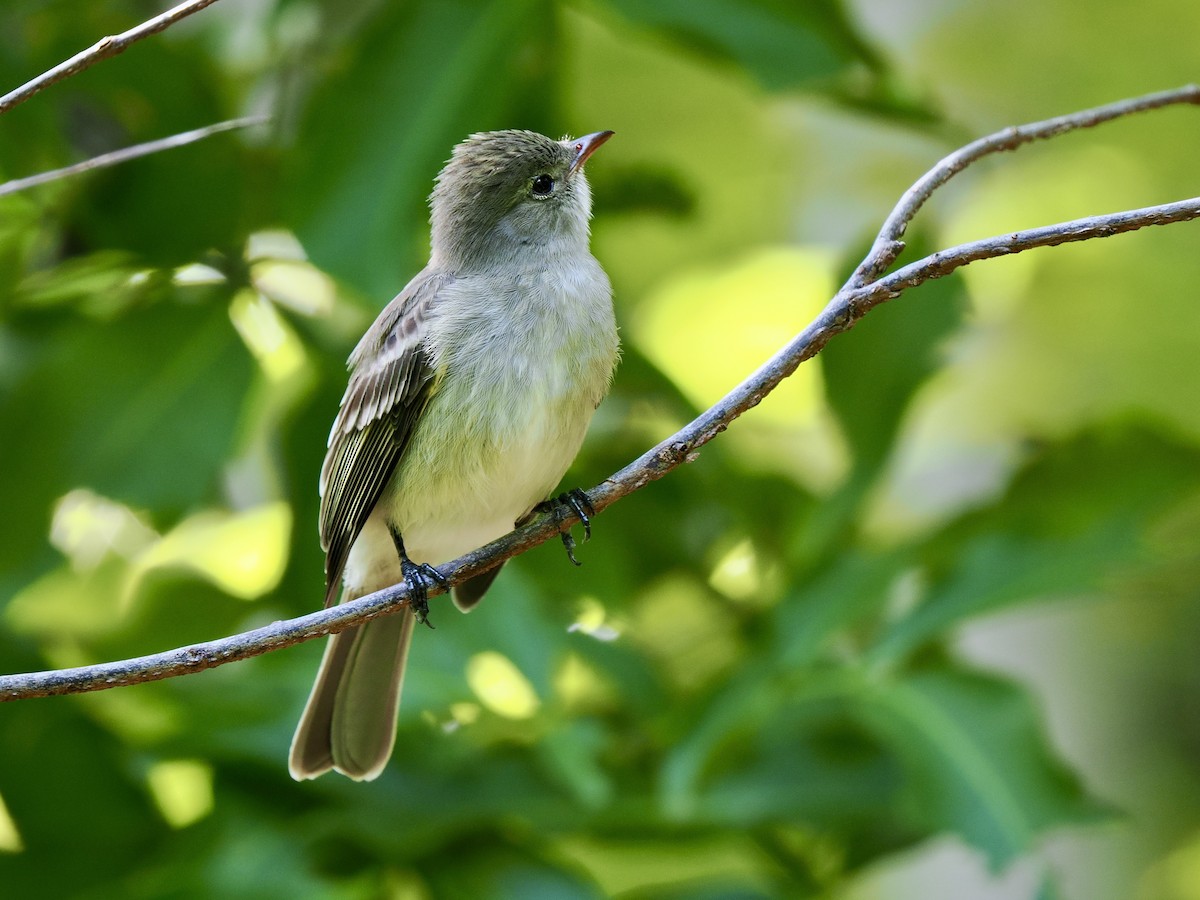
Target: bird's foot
(577,502)
(420,577)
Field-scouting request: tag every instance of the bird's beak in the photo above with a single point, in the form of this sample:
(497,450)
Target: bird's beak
(582,148)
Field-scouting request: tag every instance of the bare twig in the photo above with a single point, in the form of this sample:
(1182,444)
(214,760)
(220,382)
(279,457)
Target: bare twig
(102,49)
(888,244)
(849,305)
(125,154)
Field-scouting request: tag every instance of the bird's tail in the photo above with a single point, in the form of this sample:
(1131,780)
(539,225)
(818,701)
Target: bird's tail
(349,723)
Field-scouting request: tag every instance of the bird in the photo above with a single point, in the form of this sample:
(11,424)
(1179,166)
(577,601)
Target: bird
(468,398)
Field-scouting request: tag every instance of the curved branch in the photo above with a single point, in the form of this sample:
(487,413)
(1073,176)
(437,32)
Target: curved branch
(125,154)
(888,245)
(843,311)
(102,49)
(946,261)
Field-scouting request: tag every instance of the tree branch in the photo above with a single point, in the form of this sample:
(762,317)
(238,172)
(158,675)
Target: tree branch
(125,154)
(862,292)
(888,245)
(102,49)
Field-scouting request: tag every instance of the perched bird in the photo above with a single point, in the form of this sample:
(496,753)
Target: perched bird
(469,397)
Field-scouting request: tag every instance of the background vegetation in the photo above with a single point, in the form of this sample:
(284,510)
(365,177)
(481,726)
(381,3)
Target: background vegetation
(923,624)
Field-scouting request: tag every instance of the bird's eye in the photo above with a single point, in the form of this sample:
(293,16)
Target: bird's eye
(543,186)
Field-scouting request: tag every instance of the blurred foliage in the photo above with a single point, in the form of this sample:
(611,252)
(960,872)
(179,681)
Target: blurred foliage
(943,582)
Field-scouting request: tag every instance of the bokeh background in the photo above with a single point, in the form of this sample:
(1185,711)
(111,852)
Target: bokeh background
(924,624)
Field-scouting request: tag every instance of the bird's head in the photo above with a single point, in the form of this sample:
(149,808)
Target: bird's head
(503,193)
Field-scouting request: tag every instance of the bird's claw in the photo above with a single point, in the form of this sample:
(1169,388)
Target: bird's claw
(420,577)
(581,505)
(577,502)
(569,546)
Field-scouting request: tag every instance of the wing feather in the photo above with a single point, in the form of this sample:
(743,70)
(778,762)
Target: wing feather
(390,382)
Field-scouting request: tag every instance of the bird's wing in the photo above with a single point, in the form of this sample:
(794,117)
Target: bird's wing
(391,380)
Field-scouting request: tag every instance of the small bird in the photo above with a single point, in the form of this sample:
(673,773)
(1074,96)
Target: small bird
(468,399)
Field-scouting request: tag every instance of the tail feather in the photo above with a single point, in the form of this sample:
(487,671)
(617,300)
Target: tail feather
(349,723)
(468,594)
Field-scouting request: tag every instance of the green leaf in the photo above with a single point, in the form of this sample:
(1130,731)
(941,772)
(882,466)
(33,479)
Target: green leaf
(571,753)
(416,808)
(738,707)
(873,372)
(143,409)
(423,77)
(87,798)
(782,44)
(509,874)
(1049,889)
(1075,518)
(723,889)
(871,375)
(976,760)
(816,770)
(855,584)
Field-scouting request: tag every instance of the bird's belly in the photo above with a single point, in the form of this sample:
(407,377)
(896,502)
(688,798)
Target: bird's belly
(461,487)
(508,413)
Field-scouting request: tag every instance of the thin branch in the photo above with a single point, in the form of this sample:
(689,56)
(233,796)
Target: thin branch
(102,49)
(849,305)
(125,154)
(843,311)
(946,261)
(888,244)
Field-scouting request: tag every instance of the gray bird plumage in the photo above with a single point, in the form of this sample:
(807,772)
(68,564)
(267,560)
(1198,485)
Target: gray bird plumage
(468,399)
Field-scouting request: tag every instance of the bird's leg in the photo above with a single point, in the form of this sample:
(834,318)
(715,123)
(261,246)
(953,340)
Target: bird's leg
(419,577)
(577,502)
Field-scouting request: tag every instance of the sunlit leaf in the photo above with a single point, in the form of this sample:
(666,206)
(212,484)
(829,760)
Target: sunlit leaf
(142,409)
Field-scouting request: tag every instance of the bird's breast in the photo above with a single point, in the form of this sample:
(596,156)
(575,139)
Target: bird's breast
(522,364)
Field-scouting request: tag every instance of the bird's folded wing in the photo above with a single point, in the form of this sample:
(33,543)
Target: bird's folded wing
(391,377)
